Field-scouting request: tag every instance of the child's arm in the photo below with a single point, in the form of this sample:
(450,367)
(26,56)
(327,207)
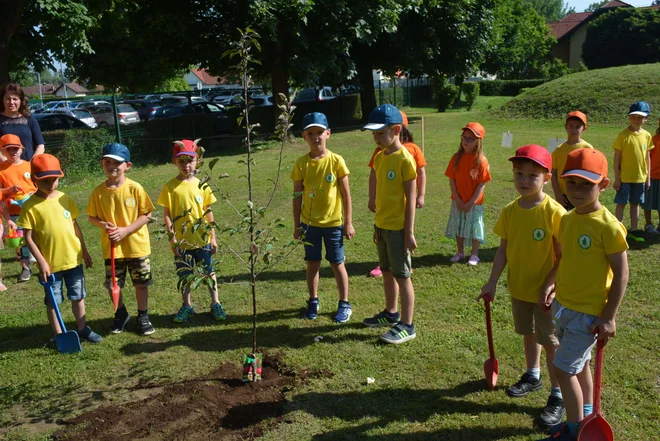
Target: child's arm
(349,231)
(606,323)
(86,256)
(5,213)
(617,169)
(547,294)
(454,193)
(488,290)
(421,186)
(409,243)
(211,219)
(559,197)
(8,192)
(477,194)
(118,233)
(372,191)
(44,268)
(297,207)
(169,225)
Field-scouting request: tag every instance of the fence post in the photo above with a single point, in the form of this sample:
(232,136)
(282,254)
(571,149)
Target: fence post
(380,92)
(114,115)
(394,103)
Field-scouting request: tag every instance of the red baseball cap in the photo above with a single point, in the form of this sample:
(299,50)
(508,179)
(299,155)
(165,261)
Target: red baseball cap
(185,147)
(535,153)
(10,140)
(589,164)
(405,118)
(579,115)
(476,128)
(45,166)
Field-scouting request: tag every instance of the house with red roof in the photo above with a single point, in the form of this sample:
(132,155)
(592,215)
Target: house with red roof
(571,31)
(199,79)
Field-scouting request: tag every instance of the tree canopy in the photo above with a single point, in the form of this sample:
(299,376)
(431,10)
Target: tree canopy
(551,10)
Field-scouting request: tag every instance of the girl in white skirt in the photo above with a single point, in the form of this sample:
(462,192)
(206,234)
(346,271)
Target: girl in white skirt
(468,171)
(652,196)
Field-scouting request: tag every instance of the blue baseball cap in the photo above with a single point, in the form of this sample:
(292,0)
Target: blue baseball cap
(118,152)
(315,119)
(382,116)
(640,108)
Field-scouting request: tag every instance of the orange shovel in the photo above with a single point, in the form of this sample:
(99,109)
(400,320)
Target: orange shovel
(594,427)
(115,292)
(491,367)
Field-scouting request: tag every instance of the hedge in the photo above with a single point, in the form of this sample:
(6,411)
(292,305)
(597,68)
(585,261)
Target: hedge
(506,87)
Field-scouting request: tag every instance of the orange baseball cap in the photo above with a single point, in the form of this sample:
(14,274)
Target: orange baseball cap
(589,164)
(185,147)
(579,115)
(10,141)
(45,166)
(405,118)
(476,128)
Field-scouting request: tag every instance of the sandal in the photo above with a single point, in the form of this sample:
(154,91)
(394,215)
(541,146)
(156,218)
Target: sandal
(3,288)
(457,257)
(474,260)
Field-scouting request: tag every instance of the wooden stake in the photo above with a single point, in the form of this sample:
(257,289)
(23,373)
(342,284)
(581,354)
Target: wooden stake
(422,134)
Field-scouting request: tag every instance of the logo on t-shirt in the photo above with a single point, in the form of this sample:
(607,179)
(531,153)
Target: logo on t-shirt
(538,234)
(474,174)
(26,175)
(67,214)
(130,202)
(584,241)
(391,175)
(329,177)
(198,198)
(643,147)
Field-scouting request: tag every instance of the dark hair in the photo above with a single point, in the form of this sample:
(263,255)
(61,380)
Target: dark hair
(16,90)
(405,135)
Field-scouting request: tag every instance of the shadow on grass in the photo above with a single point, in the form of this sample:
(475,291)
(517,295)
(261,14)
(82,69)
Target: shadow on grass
(649,241)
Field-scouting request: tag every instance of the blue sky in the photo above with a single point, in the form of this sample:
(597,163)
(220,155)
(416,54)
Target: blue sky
(581,5)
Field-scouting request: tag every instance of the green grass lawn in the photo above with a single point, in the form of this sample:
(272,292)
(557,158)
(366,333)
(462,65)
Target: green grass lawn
(429,388)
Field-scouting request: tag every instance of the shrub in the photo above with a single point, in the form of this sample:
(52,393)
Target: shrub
(78,150)
(506,87)
(444,93)
(471,91)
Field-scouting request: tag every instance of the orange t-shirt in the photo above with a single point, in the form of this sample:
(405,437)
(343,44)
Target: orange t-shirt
(655,158)
(16,174)
(468,177)
(412,148)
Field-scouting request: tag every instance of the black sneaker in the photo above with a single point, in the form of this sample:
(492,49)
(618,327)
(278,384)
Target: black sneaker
(554,411)
(89,335)
(25,275)
(525,385)
(122,317)
(144,325)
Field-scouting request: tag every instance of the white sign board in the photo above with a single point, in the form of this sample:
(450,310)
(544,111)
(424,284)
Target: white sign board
(553,143)
(507,139)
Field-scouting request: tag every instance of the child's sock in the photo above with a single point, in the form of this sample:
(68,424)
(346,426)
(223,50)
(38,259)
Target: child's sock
(392,314)
(534,372)
(556,392)
(573,428)
(141,313)
(588,409)
(121,311)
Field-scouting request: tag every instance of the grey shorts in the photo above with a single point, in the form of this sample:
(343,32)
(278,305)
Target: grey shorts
(575,338)
(391,256)
(528,319)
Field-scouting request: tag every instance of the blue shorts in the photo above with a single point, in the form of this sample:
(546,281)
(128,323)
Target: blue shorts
(633,193)
(74,279)
(185,264)
(575,338)
(333,237)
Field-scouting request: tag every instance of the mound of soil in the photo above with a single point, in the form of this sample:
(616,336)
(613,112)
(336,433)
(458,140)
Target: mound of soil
(217,407)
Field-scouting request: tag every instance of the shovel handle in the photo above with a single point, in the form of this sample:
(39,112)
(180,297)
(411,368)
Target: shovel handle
(49,284)
(598,374)
(489,330)
(112,263)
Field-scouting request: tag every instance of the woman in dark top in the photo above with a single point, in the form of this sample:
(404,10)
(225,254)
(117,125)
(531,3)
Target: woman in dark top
(15,119)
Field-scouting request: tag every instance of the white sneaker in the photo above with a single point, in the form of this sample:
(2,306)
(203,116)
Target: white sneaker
(651,229)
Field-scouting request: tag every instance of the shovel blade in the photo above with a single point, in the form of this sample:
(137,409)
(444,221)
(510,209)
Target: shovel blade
(491,370)
(68,342)
(115,292)
(595,428)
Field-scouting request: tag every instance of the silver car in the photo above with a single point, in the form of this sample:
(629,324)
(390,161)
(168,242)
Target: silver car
(126,114)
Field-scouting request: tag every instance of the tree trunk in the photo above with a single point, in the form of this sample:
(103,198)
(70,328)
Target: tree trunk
(12,10)
(459,80)
(366,79)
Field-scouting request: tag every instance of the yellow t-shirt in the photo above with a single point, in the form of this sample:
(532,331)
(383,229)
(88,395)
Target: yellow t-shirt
(633,147)
(530,252)
(51,222)
(584,277)
(559,159)
(179,196)
(391,172)
(122,206)
(322,201)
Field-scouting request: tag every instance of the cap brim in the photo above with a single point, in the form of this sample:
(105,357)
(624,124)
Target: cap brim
(545,166)
(374,126)
(639,112)
(316,125)
(589,176)
(49,174)
(185,154)
(6,146)
(473,132)
(116,158)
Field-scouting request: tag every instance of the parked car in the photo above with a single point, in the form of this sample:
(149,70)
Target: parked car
(90,103)
(261,100)
(173,100)
(145,108)
(126,114)
(314,94)
(81,114)
(224,96)
(218,113)
(58,121)
(54,105)
(103,115)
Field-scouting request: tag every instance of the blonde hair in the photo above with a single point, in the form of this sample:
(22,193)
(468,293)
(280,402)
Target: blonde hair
(479,154)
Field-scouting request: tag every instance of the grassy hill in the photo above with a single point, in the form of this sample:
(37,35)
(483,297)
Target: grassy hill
(603,94)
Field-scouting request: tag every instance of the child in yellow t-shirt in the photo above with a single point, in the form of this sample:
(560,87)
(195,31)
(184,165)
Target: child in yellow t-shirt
(394,230)
(121,209)
(185,204)
(576,124)
(528,229)
(652,197)
(589,280)
(55,240)
(322,212)
(632,162)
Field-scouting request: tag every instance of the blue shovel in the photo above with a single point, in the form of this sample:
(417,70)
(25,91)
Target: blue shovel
(67,342)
